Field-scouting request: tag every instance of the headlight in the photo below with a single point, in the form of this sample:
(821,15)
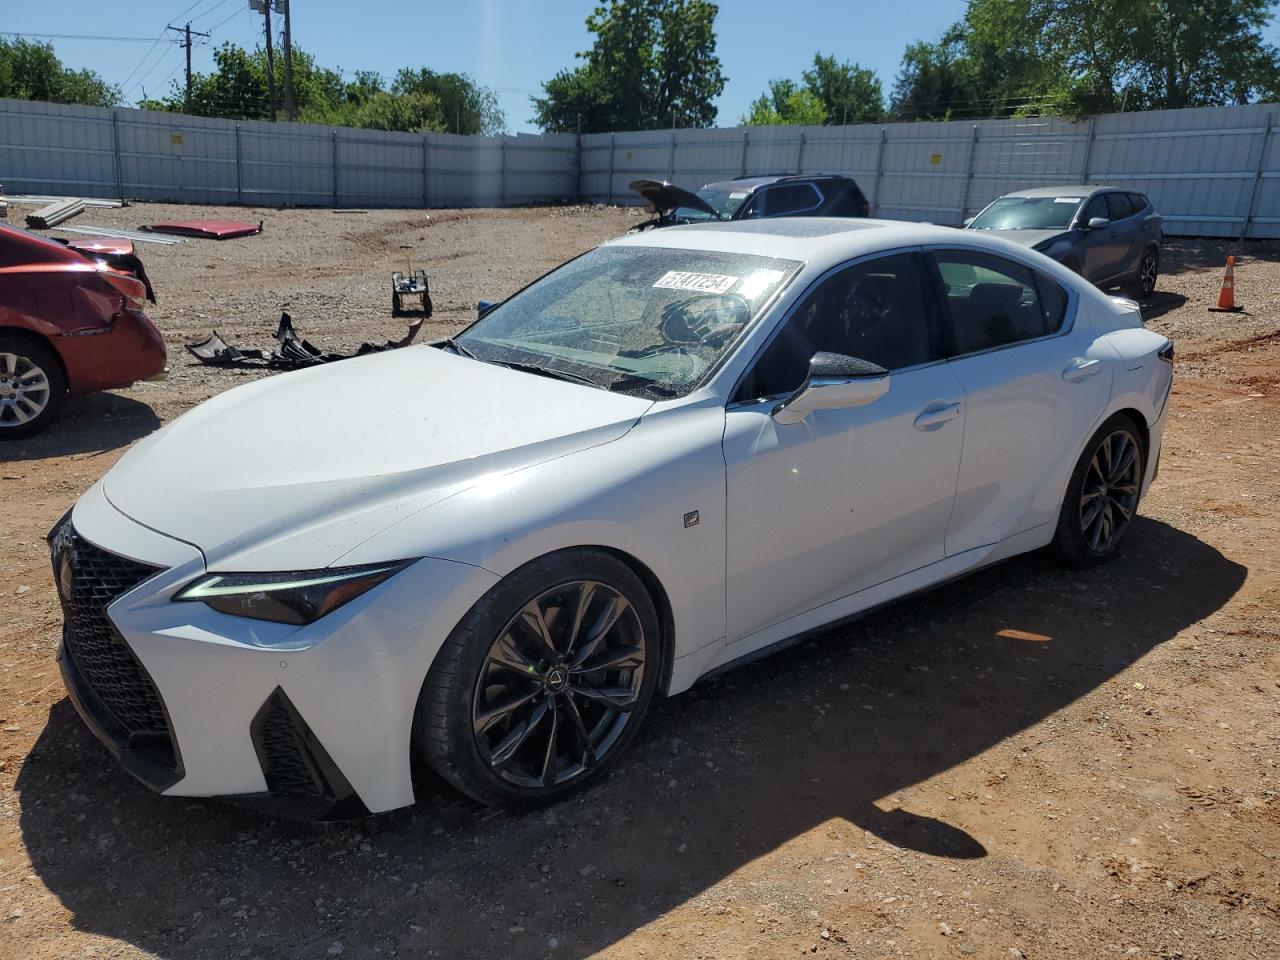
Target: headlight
(297,597)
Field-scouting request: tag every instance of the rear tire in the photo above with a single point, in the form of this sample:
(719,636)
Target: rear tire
(518,716)
(1102,495)
(32,385)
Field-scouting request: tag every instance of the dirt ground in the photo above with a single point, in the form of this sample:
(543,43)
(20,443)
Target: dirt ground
(1032,762)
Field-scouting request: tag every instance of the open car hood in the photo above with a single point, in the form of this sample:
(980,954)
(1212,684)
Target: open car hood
(666,197)
(295,470)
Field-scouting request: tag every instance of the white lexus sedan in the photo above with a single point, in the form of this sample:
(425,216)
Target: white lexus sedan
(668,455)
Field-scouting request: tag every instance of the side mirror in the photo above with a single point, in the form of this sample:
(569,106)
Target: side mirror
(1097,223)
(834,382)
(484,306)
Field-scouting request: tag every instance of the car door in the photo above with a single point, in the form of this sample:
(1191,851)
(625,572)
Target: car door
(845,498)
(1103,248)
(1035,383)
(1128,229)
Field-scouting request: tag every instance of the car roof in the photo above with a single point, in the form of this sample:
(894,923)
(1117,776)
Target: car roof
(815,240)
(1080,190)
(761,179)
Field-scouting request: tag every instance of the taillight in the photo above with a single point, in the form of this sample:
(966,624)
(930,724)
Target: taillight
(1166,353)
(134,291)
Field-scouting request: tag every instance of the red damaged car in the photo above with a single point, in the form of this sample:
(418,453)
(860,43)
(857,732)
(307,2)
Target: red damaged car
(71,321)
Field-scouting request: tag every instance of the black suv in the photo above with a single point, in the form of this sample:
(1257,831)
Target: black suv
(750,198)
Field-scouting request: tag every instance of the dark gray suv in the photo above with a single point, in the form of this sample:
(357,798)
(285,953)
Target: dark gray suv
(1107,235)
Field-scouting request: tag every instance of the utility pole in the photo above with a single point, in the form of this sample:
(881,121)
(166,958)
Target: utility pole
(271,58)
(290,111)
(187,33)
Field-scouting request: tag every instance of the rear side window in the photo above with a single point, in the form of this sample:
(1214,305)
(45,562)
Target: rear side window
(992,302)
(789,199)
(1119,205)
(1140,202)
(850,203)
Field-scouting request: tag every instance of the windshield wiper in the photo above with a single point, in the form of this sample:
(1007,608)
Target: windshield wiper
(458,348)
(631,381)
(547,372)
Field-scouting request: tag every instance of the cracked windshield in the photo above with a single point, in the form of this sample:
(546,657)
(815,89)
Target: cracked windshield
(641,320)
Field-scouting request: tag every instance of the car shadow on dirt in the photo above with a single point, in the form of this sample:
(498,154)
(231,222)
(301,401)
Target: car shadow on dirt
(829,735)
(1159,303)
(91,424)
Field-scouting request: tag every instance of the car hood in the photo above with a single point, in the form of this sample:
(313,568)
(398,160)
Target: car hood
(667,196)
(1025,238)
(295,470)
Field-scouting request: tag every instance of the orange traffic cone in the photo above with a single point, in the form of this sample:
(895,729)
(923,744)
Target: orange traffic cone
(1227,295)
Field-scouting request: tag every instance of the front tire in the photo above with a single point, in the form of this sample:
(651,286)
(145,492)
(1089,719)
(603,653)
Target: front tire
(32,386)
(1102,496)
(1144,283)
(543,684)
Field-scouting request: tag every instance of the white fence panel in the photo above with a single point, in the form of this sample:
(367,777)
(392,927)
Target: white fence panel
(1211,171)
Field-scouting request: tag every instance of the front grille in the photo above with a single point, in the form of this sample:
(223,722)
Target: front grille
(89,578)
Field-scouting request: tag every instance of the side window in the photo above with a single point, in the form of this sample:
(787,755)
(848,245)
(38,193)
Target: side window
(874,311)
(1097,207)
(753,207)
(789,199)
(1140,202)
(993,302)
(1119,205)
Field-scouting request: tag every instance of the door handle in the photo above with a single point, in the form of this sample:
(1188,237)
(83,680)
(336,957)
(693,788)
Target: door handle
(936,418)
(1080,369)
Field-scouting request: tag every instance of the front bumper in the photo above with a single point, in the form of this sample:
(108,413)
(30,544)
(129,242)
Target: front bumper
(303,719)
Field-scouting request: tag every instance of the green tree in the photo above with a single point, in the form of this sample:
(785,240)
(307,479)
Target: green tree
(466,106)
(1089,56)
(416,101)
(833,92)
(849,93)
(785,103)
(32,71)
(653,64)
(417,112)
(934,79)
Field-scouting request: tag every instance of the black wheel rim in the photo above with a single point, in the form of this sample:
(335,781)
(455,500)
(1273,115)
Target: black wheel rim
(559,684)
(1110,493)
(1147,273)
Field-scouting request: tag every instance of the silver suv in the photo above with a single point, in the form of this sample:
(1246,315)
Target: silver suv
(1107,235)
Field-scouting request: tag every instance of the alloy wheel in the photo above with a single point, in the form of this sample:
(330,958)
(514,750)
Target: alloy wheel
(1109,496)
(1147,272)
(24,390)
(559,684)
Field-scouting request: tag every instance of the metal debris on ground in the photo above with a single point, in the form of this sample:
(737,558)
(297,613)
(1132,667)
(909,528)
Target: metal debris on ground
(291,351)
(207,229)
(34,200)
(119,234)
(54,213)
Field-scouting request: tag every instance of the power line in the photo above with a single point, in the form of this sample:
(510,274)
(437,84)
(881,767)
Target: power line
(232,17)
(75,36)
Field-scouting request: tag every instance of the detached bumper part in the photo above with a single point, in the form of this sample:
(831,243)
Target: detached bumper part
(291,353)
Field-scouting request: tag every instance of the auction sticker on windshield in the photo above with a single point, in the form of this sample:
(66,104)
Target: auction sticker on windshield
(702,282)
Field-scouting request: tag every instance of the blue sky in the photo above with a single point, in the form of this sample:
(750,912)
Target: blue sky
(509,45)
